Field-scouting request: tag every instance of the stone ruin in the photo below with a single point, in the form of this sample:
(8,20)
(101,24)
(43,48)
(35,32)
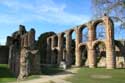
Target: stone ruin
(58,50)
(24,56)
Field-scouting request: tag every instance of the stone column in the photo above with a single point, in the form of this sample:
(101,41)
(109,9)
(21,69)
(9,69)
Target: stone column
(60,47)
(91,58)
(68,48)
(110,46)
(91,50)
(78,56)
(24,63)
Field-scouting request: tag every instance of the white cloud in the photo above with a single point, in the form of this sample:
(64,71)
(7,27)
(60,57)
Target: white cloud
(20,12)
(42,10)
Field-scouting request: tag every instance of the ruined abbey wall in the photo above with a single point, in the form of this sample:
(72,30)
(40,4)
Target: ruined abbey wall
(23,53)
(55,48)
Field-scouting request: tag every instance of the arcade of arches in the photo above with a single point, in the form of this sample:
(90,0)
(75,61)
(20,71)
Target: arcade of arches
(60,45)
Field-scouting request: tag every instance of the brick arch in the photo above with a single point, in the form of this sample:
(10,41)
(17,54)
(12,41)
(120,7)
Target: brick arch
(109,42)
(54,41)
(49,40)
(81,27)
(83,44)
(70,31)
(83,48)
(100,53)
(62,34)
(95,23)
(97,42)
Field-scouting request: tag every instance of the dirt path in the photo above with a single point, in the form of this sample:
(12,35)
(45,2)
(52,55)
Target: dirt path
(59,78)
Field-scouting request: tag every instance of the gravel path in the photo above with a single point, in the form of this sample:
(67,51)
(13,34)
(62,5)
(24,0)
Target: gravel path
(59,78)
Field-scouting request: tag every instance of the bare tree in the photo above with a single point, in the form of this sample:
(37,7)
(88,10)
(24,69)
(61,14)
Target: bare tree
(113,8)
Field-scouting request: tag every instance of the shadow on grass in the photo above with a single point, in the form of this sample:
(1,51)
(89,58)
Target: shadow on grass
(5,72)
(53,70)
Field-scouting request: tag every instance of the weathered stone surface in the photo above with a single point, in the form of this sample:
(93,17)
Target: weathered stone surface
(120,62)
(24,63)
(24,57)
(102,62)
(109,43)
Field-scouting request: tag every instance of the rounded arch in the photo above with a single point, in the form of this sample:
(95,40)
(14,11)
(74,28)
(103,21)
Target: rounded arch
(73,45)
(83,30)
(62,34)
(82,27)
(118,48)
(100,53)
(100,29)
(70,46)
(96,42)
(95,23)
(55,40)
(119,52)
(70,31)
(49,39)
(84,54)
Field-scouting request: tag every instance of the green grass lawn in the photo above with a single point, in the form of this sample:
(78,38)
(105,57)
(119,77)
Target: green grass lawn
(5,74)
(99,75)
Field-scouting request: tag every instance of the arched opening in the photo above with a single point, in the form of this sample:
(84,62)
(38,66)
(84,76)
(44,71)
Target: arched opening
(45,58)
(73,45)
(120,54)
(84,33)
(100,53)
(54,56)
(84,54)
(64,47)
(55,41)
(100,30)
(70,47)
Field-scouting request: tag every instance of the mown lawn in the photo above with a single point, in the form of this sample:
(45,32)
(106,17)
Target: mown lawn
(5,74)
(99,75)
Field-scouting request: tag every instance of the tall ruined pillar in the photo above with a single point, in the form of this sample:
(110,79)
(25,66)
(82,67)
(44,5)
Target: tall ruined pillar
(91,50)
(31,37)
(110,46)
(24,63)
(25,37)
(78,57)
(60,47)
(22,42)
(68,48)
